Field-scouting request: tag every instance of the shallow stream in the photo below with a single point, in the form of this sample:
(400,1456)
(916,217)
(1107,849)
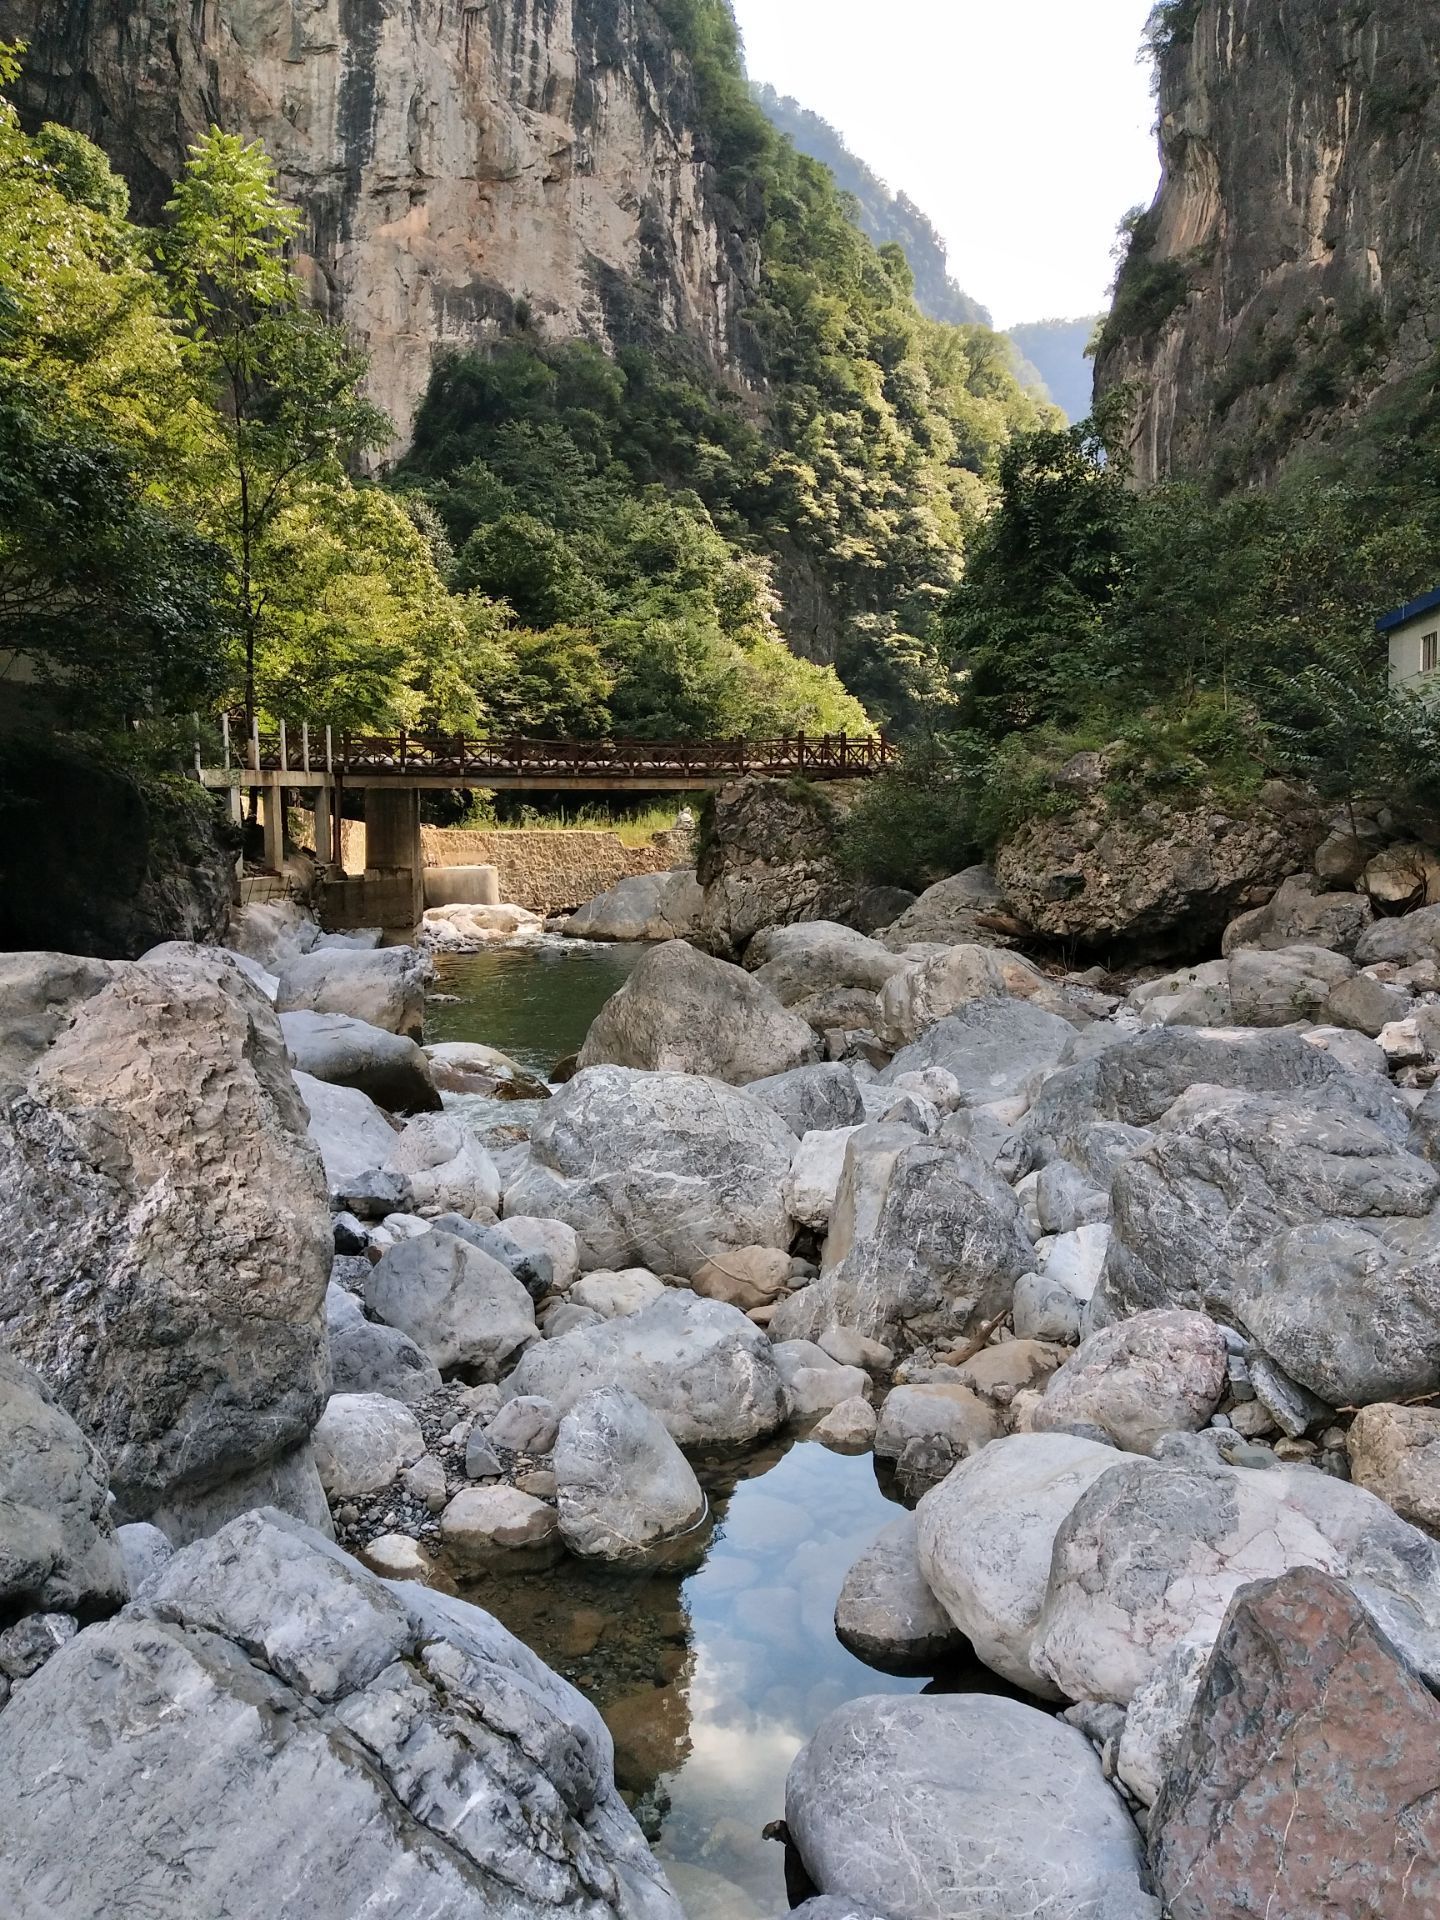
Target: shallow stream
(712,1671)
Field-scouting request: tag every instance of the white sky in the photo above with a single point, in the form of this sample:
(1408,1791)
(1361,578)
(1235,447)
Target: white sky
(1022,127)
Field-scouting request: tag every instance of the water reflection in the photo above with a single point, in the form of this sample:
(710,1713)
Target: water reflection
(713,1674)
(534,1002)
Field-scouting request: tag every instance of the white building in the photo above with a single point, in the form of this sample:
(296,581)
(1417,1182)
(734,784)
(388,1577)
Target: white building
(1413,632)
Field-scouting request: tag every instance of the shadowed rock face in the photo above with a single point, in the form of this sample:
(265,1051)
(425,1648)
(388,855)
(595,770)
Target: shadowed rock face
(448,160)
(1309,1768)
(1284,275)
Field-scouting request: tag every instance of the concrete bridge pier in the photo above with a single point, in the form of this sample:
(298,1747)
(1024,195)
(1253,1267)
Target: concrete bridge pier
(391,891)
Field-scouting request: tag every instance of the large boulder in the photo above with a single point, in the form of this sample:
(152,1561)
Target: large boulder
(1351,1317)
(817,957)
(1161,1372)
(998,1049)
(167,1241)
(1395,1454)
(814,1177)
(363,1443)
(658,1170)
(985,1537)
(1308,1779)
(1154,1551)
(1135,1083)
(353,1137)
(813,1099)
(769,858)
(886,1614)
(1301,914)
(967,907)
(461,1308)
(942,983)
(701,1366)
(350,1053)
(272,933)
(270,1710)
(643,906)
(1159,878)
(963,1807)
(58,1551)
(385,988)
(1226,1172)
(1407,941)
(368,1357)
(1277,989)
(935,1252)
(683,1012)
(622,1484)
(38,994)
(446,1166)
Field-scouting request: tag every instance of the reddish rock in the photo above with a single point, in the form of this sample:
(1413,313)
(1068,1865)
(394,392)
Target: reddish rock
(1308,1784)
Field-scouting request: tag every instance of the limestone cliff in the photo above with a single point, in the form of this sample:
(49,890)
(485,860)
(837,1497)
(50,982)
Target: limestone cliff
(1284,279)
(460,163)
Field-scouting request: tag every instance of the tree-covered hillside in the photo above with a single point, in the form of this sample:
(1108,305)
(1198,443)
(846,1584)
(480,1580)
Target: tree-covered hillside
(844,476)
(887,217)
(1057,350)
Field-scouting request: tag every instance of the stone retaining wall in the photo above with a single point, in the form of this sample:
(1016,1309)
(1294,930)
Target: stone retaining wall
(550,870)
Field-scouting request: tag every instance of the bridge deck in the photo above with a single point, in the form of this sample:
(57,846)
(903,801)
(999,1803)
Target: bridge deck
(309,757)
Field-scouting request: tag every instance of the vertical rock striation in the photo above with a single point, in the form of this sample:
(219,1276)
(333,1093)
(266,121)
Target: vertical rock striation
(1284,277)
(459,165)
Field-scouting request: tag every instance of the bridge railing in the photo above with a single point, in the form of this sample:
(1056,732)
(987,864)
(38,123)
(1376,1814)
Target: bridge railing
(327,750)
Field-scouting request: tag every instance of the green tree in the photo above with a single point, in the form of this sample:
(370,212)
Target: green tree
(286,386)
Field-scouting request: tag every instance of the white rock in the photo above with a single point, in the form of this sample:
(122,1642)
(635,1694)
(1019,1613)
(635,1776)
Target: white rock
(550,1237)
(446,1166)
(622,1483)
(612,1295)
(363,1443)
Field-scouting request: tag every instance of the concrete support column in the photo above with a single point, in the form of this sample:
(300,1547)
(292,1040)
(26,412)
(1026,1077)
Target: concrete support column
(324,832)
(392,829)
(273,815)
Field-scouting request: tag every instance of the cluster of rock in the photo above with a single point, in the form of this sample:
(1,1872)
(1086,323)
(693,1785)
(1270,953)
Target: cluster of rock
(1137,1297)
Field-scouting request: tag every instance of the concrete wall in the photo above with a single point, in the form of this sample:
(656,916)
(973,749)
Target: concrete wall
(548,871)
(1407,650)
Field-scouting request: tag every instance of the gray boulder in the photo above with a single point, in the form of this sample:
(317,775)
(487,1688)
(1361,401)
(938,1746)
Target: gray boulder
(270,1701)
(272,933)
(642,906)
(966,907)
(946,981)
(701,1366)
(367,1357)
(1160,1372)
(886,1614)
(985,1537)
(1351,1318)
(813,957)
(815,1099)
(657,1170)
(353,1137)
(58,1549)
(363,1443)
(385,988)
(963,1807)
(1408,940)
(1153,1553)
(1276,989)
(350,1053)
(1301,913)
(461,1308)
(1137,1082)
(38,994)
(622,1484)
(532,1267)
(934,1254)
(999,1049)
(1226,1172)
(290,1483)
(166,1233)
(683,1012)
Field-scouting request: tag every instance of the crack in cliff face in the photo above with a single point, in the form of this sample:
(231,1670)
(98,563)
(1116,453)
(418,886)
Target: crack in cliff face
(1283,276)
(451,157)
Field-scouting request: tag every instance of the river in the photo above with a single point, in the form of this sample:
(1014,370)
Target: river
(711,1672)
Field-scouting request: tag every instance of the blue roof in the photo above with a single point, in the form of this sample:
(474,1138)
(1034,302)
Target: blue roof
(1411,610)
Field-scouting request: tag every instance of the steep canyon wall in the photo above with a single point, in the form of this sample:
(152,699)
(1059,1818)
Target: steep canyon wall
(1284,282)
(460,163)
